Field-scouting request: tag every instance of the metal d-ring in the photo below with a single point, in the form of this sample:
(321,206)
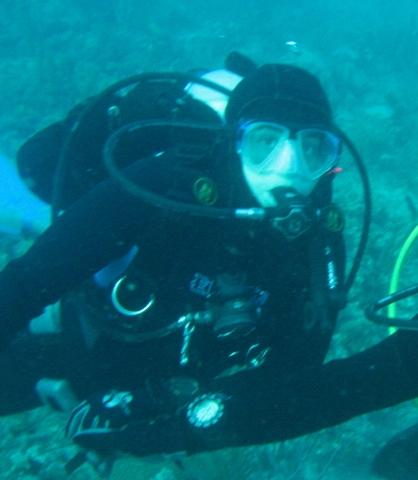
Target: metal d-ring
(125,311)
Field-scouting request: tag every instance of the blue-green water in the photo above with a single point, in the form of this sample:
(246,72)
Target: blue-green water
(54,53)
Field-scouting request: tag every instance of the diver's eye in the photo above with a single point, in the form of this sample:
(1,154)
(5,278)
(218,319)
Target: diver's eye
(320,149)
(259,141)
(265,139)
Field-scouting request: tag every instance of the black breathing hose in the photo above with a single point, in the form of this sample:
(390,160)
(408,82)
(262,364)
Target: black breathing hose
(158,200)
(367,213)
(65,157)
(404,323)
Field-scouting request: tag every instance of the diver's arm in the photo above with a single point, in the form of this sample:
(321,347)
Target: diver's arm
(265,408)
(257,406)
(98,228)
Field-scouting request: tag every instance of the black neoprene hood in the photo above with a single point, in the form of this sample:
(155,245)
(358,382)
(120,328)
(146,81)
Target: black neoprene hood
(279,93)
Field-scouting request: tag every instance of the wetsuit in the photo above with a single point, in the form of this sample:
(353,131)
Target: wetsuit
(273,380)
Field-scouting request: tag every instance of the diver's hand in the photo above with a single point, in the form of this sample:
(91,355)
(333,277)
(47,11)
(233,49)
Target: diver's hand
(94,423)
(112,423)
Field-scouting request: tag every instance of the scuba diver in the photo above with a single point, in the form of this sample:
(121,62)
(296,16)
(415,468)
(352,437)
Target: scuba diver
(199,262)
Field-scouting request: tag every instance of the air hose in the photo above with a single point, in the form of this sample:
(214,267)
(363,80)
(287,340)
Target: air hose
(394,281)
(395,295)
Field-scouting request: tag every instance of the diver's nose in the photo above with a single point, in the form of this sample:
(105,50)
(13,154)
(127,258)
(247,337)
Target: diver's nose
(285,158)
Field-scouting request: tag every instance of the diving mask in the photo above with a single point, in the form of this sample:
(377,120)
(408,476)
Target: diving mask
(276,156)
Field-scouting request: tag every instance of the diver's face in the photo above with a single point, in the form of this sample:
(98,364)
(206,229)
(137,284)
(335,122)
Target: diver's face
(276,156)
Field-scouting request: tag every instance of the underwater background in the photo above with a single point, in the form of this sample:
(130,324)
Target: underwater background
(55,53)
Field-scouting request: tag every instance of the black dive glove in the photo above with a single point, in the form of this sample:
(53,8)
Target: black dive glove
(129,422)
(97,423)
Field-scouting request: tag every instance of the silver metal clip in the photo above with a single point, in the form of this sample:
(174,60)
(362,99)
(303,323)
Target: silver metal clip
(188,330)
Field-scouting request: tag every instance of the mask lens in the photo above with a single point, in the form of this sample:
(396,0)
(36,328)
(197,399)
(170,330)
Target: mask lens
(320,150)
(260,139)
